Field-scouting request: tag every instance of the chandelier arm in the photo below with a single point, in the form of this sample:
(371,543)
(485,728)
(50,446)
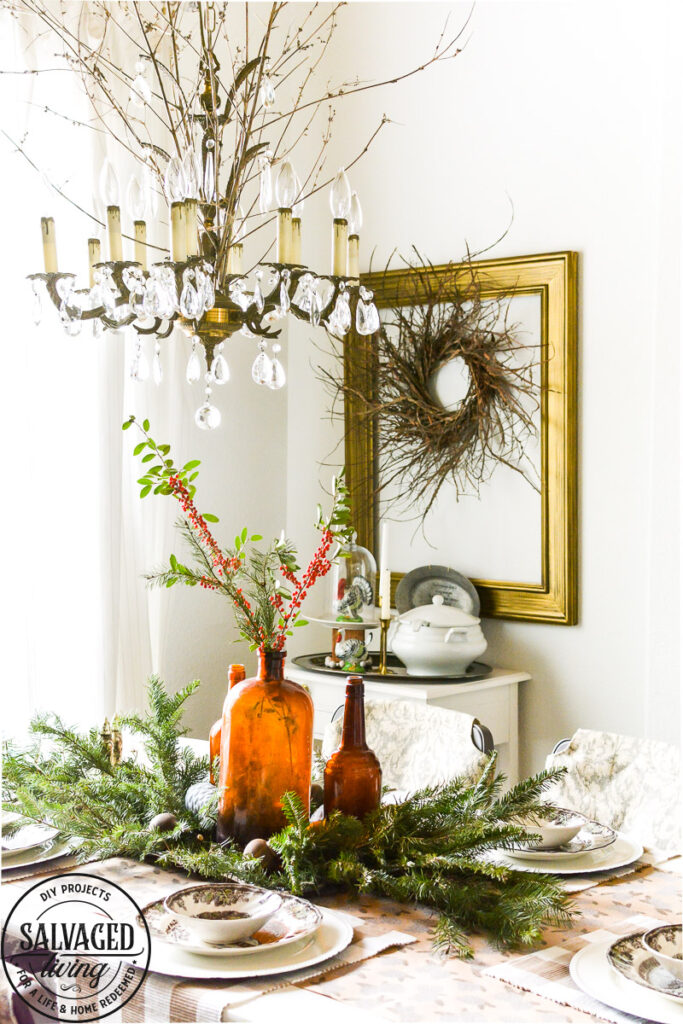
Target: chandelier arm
(162,334)
(154,329)
(256,327)
(116,325)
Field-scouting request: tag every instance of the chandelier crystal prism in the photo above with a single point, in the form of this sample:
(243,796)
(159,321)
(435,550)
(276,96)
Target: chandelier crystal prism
(200,286)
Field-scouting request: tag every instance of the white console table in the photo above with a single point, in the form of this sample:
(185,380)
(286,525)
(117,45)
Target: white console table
(493,701)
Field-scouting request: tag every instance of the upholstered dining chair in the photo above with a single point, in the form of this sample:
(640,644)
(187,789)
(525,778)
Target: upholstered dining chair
(418,744)
(631,784)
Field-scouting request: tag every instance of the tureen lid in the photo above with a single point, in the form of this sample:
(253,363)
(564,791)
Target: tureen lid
(439,614)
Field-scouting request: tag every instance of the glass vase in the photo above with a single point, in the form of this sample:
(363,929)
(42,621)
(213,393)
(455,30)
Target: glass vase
(266,748)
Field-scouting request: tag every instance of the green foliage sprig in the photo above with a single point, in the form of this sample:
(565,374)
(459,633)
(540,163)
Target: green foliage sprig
(428,850)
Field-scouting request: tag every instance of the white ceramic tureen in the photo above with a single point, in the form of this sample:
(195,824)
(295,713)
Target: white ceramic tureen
(436,639)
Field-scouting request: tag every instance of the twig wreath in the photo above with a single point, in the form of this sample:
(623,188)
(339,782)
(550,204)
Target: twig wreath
(422,444)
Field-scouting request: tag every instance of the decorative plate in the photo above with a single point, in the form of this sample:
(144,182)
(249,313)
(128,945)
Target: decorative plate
(617,855)
(27,838)
(592,836)
(316,663)
(333,935)
(344,623)
(295,920)
(634,962)
(421,585)
(590,971)
(40,855)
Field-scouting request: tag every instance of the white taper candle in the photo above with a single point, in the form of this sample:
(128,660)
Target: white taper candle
(384,573)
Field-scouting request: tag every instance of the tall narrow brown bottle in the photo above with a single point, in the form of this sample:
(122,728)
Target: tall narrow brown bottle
(236,673)
(353,776)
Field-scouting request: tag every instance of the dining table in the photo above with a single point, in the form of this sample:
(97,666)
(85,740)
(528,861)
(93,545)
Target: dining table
(390,970)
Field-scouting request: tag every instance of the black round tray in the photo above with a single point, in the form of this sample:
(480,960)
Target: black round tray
(316,663)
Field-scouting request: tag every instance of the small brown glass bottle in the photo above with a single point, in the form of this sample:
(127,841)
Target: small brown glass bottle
(236,673)
(353,776)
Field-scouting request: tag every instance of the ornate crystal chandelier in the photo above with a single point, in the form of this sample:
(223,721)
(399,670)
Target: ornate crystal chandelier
(200,285)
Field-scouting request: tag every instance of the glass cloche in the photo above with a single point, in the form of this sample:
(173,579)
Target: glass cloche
(353,582)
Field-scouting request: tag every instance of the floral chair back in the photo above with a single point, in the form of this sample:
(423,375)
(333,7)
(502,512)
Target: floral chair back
(632,784)
(417,744)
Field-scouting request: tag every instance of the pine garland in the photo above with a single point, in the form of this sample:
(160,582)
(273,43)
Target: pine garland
(427,850)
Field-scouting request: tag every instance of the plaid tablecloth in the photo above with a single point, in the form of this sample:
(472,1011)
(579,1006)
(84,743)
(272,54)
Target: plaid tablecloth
(164,998)
(412,983)
(547,974)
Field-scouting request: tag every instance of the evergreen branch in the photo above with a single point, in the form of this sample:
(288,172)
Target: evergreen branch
(432,850)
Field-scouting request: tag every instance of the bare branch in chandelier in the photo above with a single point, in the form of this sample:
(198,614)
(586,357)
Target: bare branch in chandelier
(157,71)
(445,52)
(347,167)
(75,45)
(65,36)
(65,117)
(19,149)
(305,43)
(311,71)
(241,159)
(187,40)
(324,184)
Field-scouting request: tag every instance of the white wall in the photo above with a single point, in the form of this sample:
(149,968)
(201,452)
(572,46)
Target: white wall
(571,110)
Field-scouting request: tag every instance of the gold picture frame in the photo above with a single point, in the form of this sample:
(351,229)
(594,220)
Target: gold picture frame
(554,277)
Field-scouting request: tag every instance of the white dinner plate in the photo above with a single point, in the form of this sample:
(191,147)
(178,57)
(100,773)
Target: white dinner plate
(50,851)
(27,838)
(622,852)
(591,972)
(333,935)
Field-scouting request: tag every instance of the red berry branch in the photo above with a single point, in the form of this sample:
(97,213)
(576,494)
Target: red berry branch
(264,610)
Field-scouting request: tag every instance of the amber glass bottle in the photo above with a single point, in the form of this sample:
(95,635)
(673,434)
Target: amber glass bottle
(353,777)
(236,673)
(266,747)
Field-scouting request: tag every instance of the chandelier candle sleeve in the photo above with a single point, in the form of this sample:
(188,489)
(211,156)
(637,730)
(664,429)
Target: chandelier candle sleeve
(340,204)
(286,187)
(178,233)
(235,258)
(295,252)
(355,224)
(297,211)
(354,257)
(339,247)
(192,236)
(140,243)
(284,236)
(114,233)
(94,257)
(47,226)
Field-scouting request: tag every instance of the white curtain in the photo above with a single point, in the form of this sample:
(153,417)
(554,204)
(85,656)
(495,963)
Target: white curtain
(82,631)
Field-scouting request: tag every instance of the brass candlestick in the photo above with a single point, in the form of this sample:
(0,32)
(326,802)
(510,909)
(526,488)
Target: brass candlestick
(384,629)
